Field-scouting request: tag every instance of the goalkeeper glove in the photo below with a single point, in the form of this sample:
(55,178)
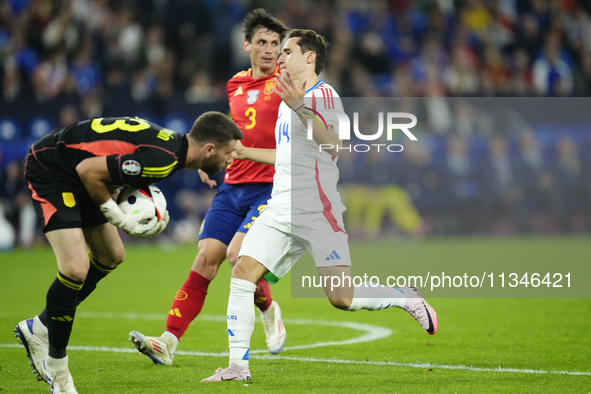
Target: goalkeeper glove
(130,223)
(157,229)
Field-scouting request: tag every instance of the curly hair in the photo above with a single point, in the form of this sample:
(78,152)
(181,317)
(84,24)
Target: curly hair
(261,18)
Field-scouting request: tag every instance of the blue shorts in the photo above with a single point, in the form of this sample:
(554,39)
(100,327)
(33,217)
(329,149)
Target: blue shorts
(234,209)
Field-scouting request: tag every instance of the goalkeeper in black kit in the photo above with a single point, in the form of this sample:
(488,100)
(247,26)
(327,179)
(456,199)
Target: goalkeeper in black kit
(71,175)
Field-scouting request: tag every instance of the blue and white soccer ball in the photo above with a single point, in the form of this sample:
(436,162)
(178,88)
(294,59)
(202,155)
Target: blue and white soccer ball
(132,199)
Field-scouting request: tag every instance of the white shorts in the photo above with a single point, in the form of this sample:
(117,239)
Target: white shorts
(278,241)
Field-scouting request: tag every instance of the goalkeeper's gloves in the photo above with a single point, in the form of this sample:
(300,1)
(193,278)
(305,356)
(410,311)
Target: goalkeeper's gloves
(130,223)
(158,227)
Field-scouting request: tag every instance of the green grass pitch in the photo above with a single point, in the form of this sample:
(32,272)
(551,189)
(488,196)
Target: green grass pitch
(533,341)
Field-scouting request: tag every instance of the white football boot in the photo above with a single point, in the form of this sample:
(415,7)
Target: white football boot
(233,372)
(275,333)
(32,334)
(158,350)
(417,307)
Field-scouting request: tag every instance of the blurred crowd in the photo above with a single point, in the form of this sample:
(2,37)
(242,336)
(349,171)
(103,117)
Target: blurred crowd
(75,59)
(96,50)
(459,185)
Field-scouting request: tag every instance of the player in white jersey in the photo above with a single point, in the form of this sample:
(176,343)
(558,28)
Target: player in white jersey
(305,210)
(291,138)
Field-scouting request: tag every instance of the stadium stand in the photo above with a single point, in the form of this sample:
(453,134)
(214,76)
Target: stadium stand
(168,61)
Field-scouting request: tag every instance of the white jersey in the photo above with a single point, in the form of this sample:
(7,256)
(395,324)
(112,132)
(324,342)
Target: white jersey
(305,180)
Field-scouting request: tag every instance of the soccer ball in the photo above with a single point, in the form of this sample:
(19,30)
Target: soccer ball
(132,199)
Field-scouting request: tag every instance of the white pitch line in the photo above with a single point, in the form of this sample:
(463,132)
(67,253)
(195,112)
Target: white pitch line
(330,361)
(372,333)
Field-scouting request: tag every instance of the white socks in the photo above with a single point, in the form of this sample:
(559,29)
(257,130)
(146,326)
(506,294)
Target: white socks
(171,340)
(56,364)
(240,319)
(376,298)
(39,329)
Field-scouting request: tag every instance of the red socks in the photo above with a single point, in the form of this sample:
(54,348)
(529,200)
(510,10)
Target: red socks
(262,296)
(187,304)
(190,298)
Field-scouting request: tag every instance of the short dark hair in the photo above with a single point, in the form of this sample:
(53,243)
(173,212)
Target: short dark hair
(214,127)
(261,18)
(312,41)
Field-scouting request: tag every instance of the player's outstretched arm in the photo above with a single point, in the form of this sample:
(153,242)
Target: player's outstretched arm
(94,174)
(260,155)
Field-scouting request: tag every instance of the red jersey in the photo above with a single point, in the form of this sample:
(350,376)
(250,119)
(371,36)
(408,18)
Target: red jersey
(254,108)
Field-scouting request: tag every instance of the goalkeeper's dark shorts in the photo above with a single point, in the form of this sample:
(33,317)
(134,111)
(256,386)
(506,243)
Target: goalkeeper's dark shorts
(59,204)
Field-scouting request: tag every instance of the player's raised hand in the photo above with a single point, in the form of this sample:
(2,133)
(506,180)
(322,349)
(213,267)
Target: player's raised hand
(205,179)
(291,95)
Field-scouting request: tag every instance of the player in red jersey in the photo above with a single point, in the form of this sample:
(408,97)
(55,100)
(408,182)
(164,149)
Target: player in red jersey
(239,200)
